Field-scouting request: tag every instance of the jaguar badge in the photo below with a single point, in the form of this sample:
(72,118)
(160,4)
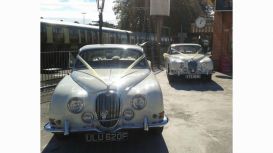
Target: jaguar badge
(104,114)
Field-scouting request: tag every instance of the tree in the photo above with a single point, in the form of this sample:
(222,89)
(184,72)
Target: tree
(131,15)
(183,13)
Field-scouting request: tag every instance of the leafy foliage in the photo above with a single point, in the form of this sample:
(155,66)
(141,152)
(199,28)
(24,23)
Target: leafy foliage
(131,15)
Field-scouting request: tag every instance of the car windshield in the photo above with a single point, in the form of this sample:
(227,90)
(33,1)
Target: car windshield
(187,49)
(111,58)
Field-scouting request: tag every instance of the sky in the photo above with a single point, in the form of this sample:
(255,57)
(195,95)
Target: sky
(71,10)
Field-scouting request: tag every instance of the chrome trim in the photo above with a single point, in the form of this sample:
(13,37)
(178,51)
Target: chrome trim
(113,106)
(49,128)
(145,124)
(66,127)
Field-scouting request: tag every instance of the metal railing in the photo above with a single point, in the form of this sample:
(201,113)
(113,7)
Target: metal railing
(54,66)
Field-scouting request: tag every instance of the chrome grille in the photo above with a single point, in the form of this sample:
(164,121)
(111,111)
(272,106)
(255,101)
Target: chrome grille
(192,66)
(108,109)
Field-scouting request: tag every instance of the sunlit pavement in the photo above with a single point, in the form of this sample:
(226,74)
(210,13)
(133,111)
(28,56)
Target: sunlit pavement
(200,121)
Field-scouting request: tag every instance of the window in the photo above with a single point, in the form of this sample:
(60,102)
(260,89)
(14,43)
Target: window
(83,36)
(112,38)
(58,34)
(43,33)
(111,58)
(89,37)
(186,49)
(95,37)
(74,35)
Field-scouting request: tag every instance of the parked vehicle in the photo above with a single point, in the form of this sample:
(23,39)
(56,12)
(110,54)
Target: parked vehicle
(188,61)
(110,90)
(60,35)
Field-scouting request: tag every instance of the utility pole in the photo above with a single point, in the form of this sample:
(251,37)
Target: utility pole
(100,6)
(159,9)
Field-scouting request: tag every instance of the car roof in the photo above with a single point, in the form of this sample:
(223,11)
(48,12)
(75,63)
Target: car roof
(125,46)
(185,44)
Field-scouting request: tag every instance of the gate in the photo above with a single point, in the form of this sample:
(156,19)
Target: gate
(54,66)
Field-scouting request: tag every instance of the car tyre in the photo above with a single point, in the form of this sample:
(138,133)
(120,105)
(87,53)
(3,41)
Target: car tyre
(170,77)
(207,78)
(156,131)
(60,136)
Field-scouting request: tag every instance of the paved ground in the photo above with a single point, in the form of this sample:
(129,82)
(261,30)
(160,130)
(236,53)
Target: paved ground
(200,116)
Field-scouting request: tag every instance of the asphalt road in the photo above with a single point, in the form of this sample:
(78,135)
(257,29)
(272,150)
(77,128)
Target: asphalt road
(200,121)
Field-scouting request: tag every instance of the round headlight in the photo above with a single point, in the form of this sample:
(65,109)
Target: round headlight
(75,105)
(138,102)
(87,117)
(128,114)
(204,64)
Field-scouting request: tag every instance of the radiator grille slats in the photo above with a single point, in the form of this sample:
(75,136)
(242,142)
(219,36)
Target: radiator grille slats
(192,66)
(108,109)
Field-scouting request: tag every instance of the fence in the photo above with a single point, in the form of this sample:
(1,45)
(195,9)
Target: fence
(54,66)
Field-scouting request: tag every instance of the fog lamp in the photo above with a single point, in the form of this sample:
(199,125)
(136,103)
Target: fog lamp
(87,117)
(204,64)
(128,114)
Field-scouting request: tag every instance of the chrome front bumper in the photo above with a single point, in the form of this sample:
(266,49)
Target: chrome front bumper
(66,130)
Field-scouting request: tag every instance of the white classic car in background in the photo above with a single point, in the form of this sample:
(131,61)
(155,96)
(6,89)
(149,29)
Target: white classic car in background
(187,60)
(110,89)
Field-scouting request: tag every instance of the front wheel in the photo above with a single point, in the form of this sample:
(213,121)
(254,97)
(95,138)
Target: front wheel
(156,131)
(207,78)
(60,136)
(170,77)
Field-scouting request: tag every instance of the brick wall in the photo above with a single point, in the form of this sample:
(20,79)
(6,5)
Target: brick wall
(222,41)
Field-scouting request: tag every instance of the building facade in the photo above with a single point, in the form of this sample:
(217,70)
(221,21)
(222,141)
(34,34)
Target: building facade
(222,38)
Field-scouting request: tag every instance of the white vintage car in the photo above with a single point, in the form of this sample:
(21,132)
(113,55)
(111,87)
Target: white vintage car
(111,89)
(188,61)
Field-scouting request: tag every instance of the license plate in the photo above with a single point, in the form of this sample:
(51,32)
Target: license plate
(101,137)
(193,76)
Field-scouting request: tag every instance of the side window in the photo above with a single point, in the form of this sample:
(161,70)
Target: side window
(43,33)
(89,37)
(95,37)
(112,38)
(58,34)
(73,35)
(83,36)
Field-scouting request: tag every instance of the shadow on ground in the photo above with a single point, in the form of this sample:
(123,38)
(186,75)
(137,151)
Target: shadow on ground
(137,143)
(223,76)
(197,85)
